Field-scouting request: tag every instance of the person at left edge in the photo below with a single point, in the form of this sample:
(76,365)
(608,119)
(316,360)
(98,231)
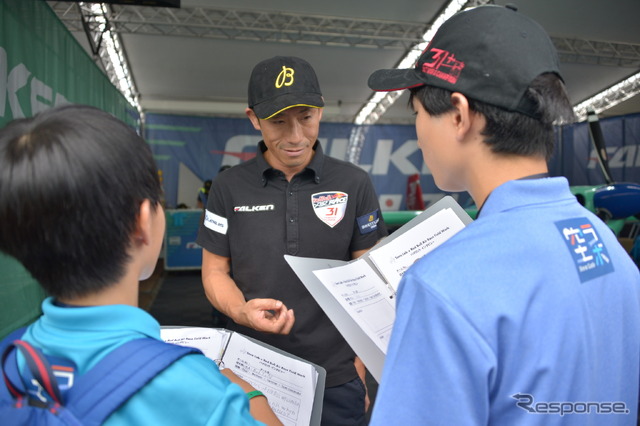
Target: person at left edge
(289,199)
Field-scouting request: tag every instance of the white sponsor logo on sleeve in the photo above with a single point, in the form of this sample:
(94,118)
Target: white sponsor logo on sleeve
(215,223)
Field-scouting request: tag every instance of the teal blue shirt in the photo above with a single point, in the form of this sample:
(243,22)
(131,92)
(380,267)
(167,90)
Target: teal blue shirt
(191,391)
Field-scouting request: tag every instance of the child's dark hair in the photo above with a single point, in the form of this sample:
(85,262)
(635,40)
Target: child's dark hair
(512,132)
(72,179)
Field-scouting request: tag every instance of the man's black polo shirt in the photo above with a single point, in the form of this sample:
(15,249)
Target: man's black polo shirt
(254,216)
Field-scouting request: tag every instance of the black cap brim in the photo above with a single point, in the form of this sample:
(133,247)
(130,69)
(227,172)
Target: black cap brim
(395,79)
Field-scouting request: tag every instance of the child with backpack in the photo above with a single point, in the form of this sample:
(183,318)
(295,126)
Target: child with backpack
(80,209)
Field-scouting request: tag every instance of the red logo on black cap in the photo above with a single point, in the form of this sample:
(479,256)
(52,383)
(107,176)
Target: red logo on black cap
(442,65)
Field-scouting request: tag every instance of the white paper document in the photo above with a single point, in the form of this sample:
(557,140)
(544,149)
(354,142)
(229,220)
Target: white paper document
(359,296)
(286,382)
(290,384)
(362,293)
(393,259)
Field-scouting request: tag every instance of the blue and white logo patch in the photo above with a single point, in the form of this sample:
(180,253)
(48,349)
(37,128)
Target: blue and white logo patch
(368,222)
(587,249)
(215,223)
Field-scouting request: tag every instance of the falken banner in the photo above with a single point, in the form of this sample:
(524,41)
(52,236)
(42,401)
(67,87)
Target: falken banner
(389,153)
(42,65)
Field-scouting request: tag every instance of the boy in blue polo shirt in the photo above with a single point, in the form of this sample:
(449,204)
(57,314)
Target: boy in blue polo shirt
(531,314)
(80,209)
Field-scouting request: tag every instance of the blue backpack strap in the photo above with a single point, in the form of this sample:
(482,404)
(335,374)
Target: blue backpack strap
(12,373)
(111,382)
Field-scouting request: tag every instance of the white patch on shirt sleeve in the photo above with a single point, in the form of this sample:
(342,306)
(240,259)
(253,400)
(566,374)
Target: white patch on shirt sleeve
(215,223)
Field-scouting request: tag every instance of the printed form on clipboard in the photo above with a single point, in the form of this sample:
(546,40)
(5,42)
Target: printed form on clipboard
(294,387)
(359,296)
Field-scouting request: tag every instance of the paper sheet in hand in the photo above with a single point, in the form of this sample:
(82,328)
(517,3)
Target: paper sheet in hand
(394,258)
(358,289)
(293,387)
(359,296)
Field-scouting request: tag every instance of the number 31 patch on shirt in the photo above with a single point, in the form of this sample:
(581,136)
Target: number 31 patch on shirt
(330,206)
(587,249)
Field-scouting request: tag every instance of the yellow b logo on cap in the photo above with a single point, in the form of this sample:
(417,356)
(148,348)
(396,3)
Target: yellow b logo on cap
(285,78)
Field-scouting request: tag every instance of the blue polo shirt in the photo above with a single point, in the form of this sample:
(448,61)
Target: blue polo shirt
(528,316)
(191,391)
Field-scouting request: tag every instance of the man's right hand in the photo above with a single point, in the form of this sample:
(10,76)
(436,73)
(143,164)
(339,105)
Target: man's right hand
(266,315)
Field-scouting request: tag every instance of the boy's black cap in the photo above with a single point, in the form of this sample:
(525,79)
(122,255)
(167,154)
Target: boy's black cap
(489,53)
(283,82)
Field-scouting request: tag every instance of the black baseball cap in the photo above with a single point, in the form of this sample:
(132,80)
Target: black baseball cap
(283,82)
(488,53)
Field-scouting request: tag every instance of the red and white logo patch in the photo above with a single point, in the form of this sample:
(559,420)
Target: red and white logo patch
(329,206)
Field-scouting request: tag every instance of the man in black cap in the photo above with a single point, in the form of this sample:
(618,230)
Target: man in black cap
(290,199)
(531,314)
